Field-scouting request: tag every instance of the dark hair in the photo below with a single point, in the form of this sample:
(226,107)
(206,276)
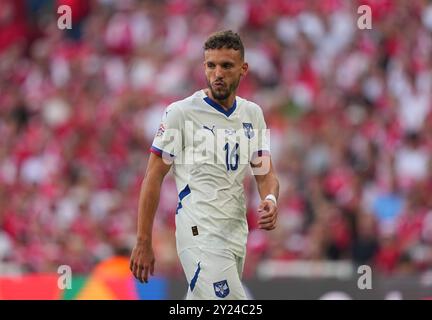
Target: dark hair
(225,39)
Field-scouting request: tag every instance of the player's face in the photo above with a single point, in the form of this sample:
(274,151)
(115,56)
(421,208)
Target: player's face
(223,69)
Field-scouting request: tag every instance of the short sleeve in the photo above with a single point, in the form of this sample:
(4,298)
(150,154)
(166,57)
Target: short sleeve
(168,141)
(260,144)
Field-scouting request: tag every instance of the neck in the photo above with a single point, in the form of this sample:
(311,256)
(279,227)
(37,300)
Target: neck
(226,103)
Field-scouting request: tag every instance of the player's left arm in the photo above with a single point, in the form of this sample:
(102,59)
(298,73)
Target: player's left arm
(268,188)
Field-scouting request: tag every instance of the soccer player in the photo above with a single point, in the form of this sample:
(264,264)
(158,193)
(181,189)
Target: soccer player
(210,139)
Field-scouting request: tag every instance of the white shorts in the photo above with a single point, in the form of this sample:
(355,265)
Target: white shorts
(212,274)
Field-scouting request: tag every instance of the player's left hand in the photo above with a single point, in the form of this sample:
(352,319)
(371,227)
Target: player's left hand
(268,215)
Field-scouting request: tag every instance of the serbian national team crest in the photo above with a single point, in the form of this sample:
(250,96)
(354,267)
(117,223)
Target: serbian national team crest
(221,288)
(248,129)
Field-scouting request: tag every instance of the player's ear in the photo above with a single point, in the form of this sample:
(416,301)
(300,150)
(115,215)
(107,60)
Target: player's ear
(244,69)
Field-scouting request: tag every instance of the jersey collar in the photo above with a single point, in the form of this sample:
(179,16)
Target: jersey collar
(219,108)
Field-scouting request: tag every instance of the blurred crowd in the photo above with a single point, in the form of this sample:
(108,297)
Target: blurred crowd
(349,112)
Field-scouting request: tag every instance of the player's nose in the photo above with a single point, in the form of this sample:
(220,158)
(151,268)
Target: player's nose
(219,72)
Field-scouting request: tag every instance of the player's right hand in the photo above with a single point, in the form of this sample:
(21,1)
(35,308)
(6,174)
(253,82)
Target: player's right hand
(142,261)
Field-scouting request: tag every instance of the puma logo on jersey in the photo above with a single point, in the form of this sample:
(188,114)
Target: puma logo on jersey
(212,129)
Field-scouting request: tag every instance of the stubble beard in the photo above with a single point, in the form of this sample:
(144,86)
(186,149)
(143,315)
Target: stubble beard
(226,92)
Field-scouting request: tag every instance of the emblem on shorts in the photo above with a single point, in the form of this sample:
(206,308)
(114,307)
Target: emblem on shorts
(221,288)
(248,130)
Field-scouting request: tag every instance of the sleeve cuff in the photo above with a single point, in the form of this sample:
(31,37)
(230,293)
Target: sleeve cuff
(160,152)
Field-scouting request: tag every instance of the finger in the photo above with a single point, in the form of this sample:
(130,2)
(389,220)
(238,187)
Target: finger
(144,274)
(131,263)
(271,213)
(263,211)
(137,272)
(266,220)
(267,226)
(134,269)
(268,205)
(261,206)
(267,215)
(152,268)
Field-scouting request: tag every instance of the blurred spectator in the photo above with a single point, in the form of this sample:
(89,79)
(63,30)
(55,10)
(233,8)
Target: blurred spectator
(349,110)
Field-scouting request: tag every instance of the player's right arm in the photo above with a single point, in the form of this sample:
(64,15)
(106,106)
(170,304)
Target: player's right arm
(142,259)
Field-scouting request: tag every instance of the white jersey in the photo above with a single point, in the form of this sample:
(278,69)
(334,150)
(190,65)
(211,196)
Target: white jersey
(211,149)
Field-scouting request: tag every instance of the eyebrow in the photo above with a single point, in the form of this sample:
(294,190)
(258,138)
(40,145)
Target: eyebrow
(221,62)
